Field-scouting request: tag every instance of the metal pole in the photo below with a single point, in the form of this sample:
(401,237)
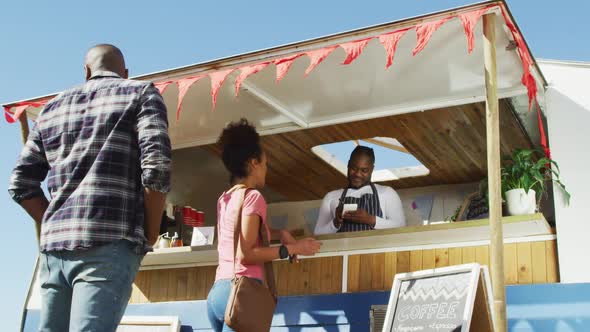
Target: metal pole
(24,131)
(24,127)
(494,184)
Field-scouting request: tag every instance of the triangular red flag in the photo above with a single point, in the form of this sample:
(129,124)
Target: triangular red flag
(528,80)
(424,31)
(19,108)
(317,56)
(217,79)
(543,136)
(284,64)
(247,71)
(8,115)
(469,20)
(161,86)
(389,41)
(183,85)
(354,49)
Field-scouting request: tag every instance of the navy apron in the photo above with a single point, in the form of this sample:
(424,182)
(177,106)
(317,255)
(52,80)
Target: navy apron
(367,202)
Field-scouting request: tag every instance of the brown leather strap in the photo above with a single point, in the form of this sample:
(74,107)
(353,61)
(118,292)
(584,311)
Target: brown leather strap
(268,270)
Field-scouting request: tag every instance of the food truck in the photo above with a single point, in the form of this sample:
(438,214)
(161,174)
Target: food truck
(424,89)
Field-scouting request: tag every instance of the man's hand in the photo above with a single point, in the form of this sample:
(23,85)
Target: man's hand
(36,208)
(360,216)
(154,206)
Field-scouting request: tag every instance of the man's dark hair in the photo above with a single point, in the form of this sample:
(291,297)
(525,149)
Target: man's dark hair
(240,143)
(362,150)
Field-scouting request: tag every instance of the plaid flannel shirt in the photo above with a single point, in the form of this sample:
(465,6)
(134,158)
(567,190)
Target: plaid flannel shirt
(99,145)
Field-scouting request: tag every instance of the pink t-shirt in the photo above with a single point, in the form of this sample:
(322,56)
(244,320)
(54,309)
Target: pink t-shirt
(227,210)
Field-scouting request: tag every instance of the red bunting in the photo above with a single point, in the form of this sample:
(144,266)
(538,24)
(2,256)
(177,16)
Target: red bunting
(247,71)
(12,117)
(543,139)
(424,31)
(354,49)
(389,41)
(183,85)
(469,20)
(161,86)
(217,79)
(284,64)
(528,80)
(317,56)
(8,115)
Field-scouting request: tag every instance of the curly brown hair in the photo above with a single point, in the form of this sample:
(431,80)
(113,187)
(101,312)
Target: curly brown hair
(240,143)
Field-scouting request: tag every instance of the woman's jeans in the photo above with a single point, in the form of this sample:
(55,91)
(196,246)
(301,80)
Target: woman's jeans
(216,303)
(87,290)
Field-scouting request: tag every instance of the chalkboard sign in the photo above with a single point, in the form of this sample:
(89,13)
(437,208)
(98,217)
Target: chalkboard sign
(149,324)
(440,300)
(475,206)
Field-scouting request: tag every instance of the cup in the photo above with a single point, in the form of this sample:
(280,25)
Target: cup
(200,218)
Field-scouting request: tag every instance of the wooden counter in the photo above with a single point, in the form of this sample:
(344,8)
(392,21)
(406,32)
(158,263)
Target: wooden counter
(364,261)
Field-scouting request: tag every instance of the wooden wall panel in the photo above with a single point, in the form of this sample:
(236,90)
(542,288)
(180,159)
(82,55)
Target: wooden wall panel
(415,260)
(524,259)
(539,262)
(366,272)
(441,257)
(455,256)
(172,284)
(390,268)
(552,267)
(354,263)
(510,264)
(310,276)
(428,259)
(403,261)
(524,263)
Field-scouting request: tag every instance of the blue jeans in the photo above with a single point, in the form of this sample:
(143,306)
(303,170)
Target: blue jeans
(216,303)
(87,290)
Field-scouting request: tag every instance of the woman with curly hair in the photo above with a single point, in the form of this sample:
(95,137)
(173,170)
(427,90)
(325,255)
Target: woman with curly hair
(245,160)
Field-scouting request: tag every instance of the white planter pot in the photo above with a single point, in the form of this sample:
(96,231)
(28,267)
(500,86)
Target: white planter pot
(519,202)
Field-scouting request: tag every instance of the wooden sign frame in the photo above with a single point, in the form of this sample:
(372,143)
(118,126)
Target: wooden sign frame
(477,315)
(464,210)
(172,322)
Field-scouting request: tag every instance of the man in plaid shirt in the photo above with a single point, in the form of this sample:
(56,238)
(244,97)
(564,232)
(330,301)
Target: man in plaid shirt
(105,151)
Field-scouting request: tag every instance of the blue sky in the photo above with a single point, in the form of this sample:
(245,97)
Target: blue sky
(384,158)
(42,44)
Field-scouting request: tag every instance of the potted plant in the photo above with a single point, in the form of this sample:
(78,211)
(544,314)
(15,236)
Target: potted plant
(524,180)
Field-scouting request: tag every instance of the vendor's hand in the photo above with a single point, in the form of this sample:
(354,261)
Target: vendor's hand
(360,216)
(338,217)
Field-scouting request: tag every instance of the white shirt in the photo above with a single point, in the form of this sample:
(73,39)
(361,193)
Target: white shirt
(391,206)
